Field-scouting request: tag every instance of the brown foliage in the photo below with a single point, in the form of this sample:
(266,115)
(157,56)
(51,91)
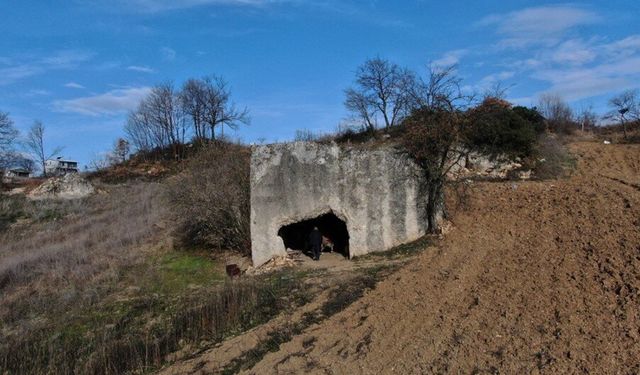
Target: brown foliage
(211,198)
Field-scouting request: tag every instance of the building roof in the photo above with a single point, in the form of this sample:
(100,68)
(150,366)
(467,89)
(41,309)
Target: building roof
(62,160)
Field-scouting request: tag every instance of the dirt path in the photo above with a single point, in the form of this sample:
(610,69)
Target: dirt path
(536,277)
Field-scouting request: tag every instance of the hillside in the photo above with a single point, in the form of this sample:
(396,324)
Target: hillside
(535,277)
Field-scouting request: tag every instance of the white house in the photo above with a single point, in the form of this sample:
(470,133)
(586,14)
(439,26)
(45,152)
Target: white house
(60,166)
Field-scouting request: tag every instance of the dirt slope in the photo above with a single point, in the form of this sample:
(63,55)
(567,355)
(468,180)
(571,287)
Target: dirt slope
(537,277)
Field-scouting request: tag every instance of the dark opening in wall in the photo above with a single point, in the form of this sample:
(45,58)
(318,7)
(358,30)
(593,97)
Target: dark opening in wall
(334,230)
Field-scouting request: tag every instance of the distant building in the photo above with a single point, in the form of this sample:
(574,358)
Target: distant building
(16,174)
(59,166)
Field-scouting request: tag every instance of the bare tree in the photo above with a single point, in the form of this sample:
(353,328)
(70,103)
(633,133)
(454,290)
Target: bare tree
(163,108)
(8,135)
(587,119)
(381,91)
(101,161)
(121,150)
(165,118)
(35,144)
(497,91)
(26,163)
(218,108)
(159,121)
(361,108)
(440,90)
(624,107)
(192,99)
(305,135)
(557,112)
(139,130)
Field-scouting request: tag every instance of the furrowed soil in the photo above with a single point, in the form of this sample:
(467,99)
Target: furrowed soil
(535,277)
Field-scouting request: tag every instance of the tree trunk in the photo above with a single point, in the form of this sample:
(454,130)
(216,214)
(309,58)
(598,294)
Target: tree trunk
(435,203)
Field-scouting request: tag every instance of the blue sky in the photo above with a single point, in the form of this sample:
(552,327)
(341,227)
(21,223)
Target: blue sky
(79,66)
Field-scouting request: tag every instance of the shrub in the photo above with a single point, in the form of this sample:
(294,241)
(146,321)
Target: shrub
(497,129)
(553,159)
(11,208)
(532,116)
(210,199)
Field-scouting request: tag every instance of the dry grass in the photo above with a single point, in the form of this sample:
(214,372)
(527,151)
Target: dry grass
(71,246)
(94,286)
(553,158)
(124,348)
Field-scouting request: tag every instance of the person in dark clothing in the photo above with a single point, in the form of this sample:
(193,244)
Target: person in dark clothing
(315,241)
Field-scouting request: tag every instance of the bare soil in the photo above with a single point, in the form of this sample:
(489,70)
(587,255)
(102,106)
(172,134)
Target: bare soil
(535,277)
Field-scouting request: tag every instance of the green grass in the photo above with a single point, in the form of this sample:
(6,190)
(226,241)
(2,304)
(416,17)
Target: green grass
(179,271)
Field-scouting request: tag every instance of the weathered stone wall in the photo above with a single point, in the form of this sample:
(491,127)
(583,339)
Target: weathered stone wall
(376,192)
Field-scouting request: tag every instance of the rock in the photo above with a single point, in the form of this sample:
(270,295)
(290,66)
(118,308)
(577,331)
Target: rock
(524,175)
(69,186)
(477,165)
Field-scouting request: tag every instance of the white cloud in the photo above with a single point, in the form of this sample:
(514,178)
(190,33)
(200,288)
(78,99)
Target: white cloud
(37,92)
(168,54)
(164,5)
(65,59)
(538,25)
(109,103)
(18,72)
(584,82)
(577,68)
(574,52)
(142,69)
(491,79)
(73,85)
(449,58)
(623,48)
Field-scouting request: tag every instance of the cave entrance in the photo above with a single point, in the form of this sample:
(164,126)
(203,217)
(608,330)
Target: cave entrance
(334,230)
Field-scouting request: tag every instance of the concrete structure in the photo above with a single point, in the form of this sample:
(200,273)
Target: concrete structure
(59,167)
(376,193)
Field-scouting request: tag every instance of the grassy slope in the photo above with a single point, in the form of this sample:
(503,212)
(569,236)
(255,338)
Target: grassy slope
(73,271)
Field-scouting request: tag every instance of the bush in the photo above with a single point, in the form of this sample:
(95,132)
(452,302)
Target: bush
(11,209)
(532,116)
(497,129)
(553,158)
(210,199)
